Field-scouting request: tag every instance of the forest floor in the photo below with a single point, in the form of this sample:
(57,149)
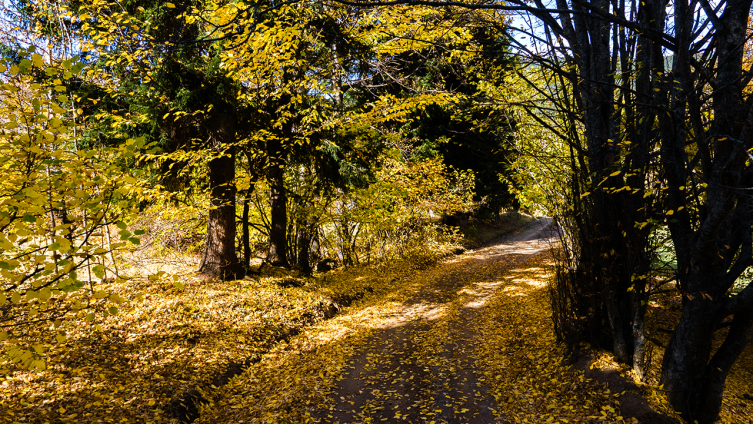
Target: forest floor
(467,339)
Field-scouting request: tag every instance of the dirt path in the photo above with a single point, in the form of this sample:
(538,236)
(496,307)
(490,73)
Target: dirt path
(419,366)
(468,340)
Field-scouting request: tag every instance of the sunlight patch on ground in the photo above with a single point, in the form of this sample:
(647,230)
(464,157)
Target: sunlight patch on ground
(475,304)
(536,283)
(514,291)
(479,293)
(294,378)
(404,314)
(524,362)
(488,286)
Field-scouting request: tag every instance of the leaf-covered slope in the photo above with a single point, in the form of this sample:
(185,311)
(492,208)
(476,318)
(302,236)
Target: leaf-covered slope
(156,349)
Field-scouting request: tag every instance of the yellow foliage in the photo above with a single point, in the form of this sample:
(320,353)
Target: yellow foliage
(56,203)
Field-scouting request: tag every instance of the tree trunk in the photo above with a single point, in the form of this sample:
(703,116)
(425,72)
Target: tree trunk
(245,235)
(716,371)
(639,329)
(304,244)
(219,259)
(695,383)
(278,241)
(714,250)
(686,357)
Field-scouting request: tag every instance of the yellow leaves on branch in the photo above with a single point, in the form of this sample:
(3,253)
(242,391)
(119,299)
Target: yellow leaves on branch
(425,188)
(57,201)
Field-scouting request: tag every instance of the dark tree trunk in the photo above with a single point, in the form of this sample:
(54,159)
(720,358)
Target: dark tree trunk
(691,375)
(687,355)
(695,384)
(245,236)
(714,248)
(219,259)
(304,244)
(716,371)
(278,241)
(609,243)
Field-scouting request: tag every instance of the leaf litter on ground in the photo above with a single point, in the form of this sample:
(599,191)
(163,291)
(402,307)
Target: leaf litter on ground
(514,356)
(169,339)
(134,366)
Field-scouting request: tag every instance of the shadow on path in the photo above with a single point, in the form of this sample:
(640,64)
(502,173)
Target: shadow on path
(418,367)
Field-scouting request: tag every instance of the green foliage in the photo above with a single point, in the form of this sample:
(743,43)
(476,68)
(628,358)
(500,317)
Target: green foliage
(474,131)
(540,175)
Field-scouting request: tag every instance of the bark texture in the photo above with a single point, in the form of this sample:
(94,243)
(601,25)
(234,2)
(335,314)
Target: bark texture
(278,241)
(219,259)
